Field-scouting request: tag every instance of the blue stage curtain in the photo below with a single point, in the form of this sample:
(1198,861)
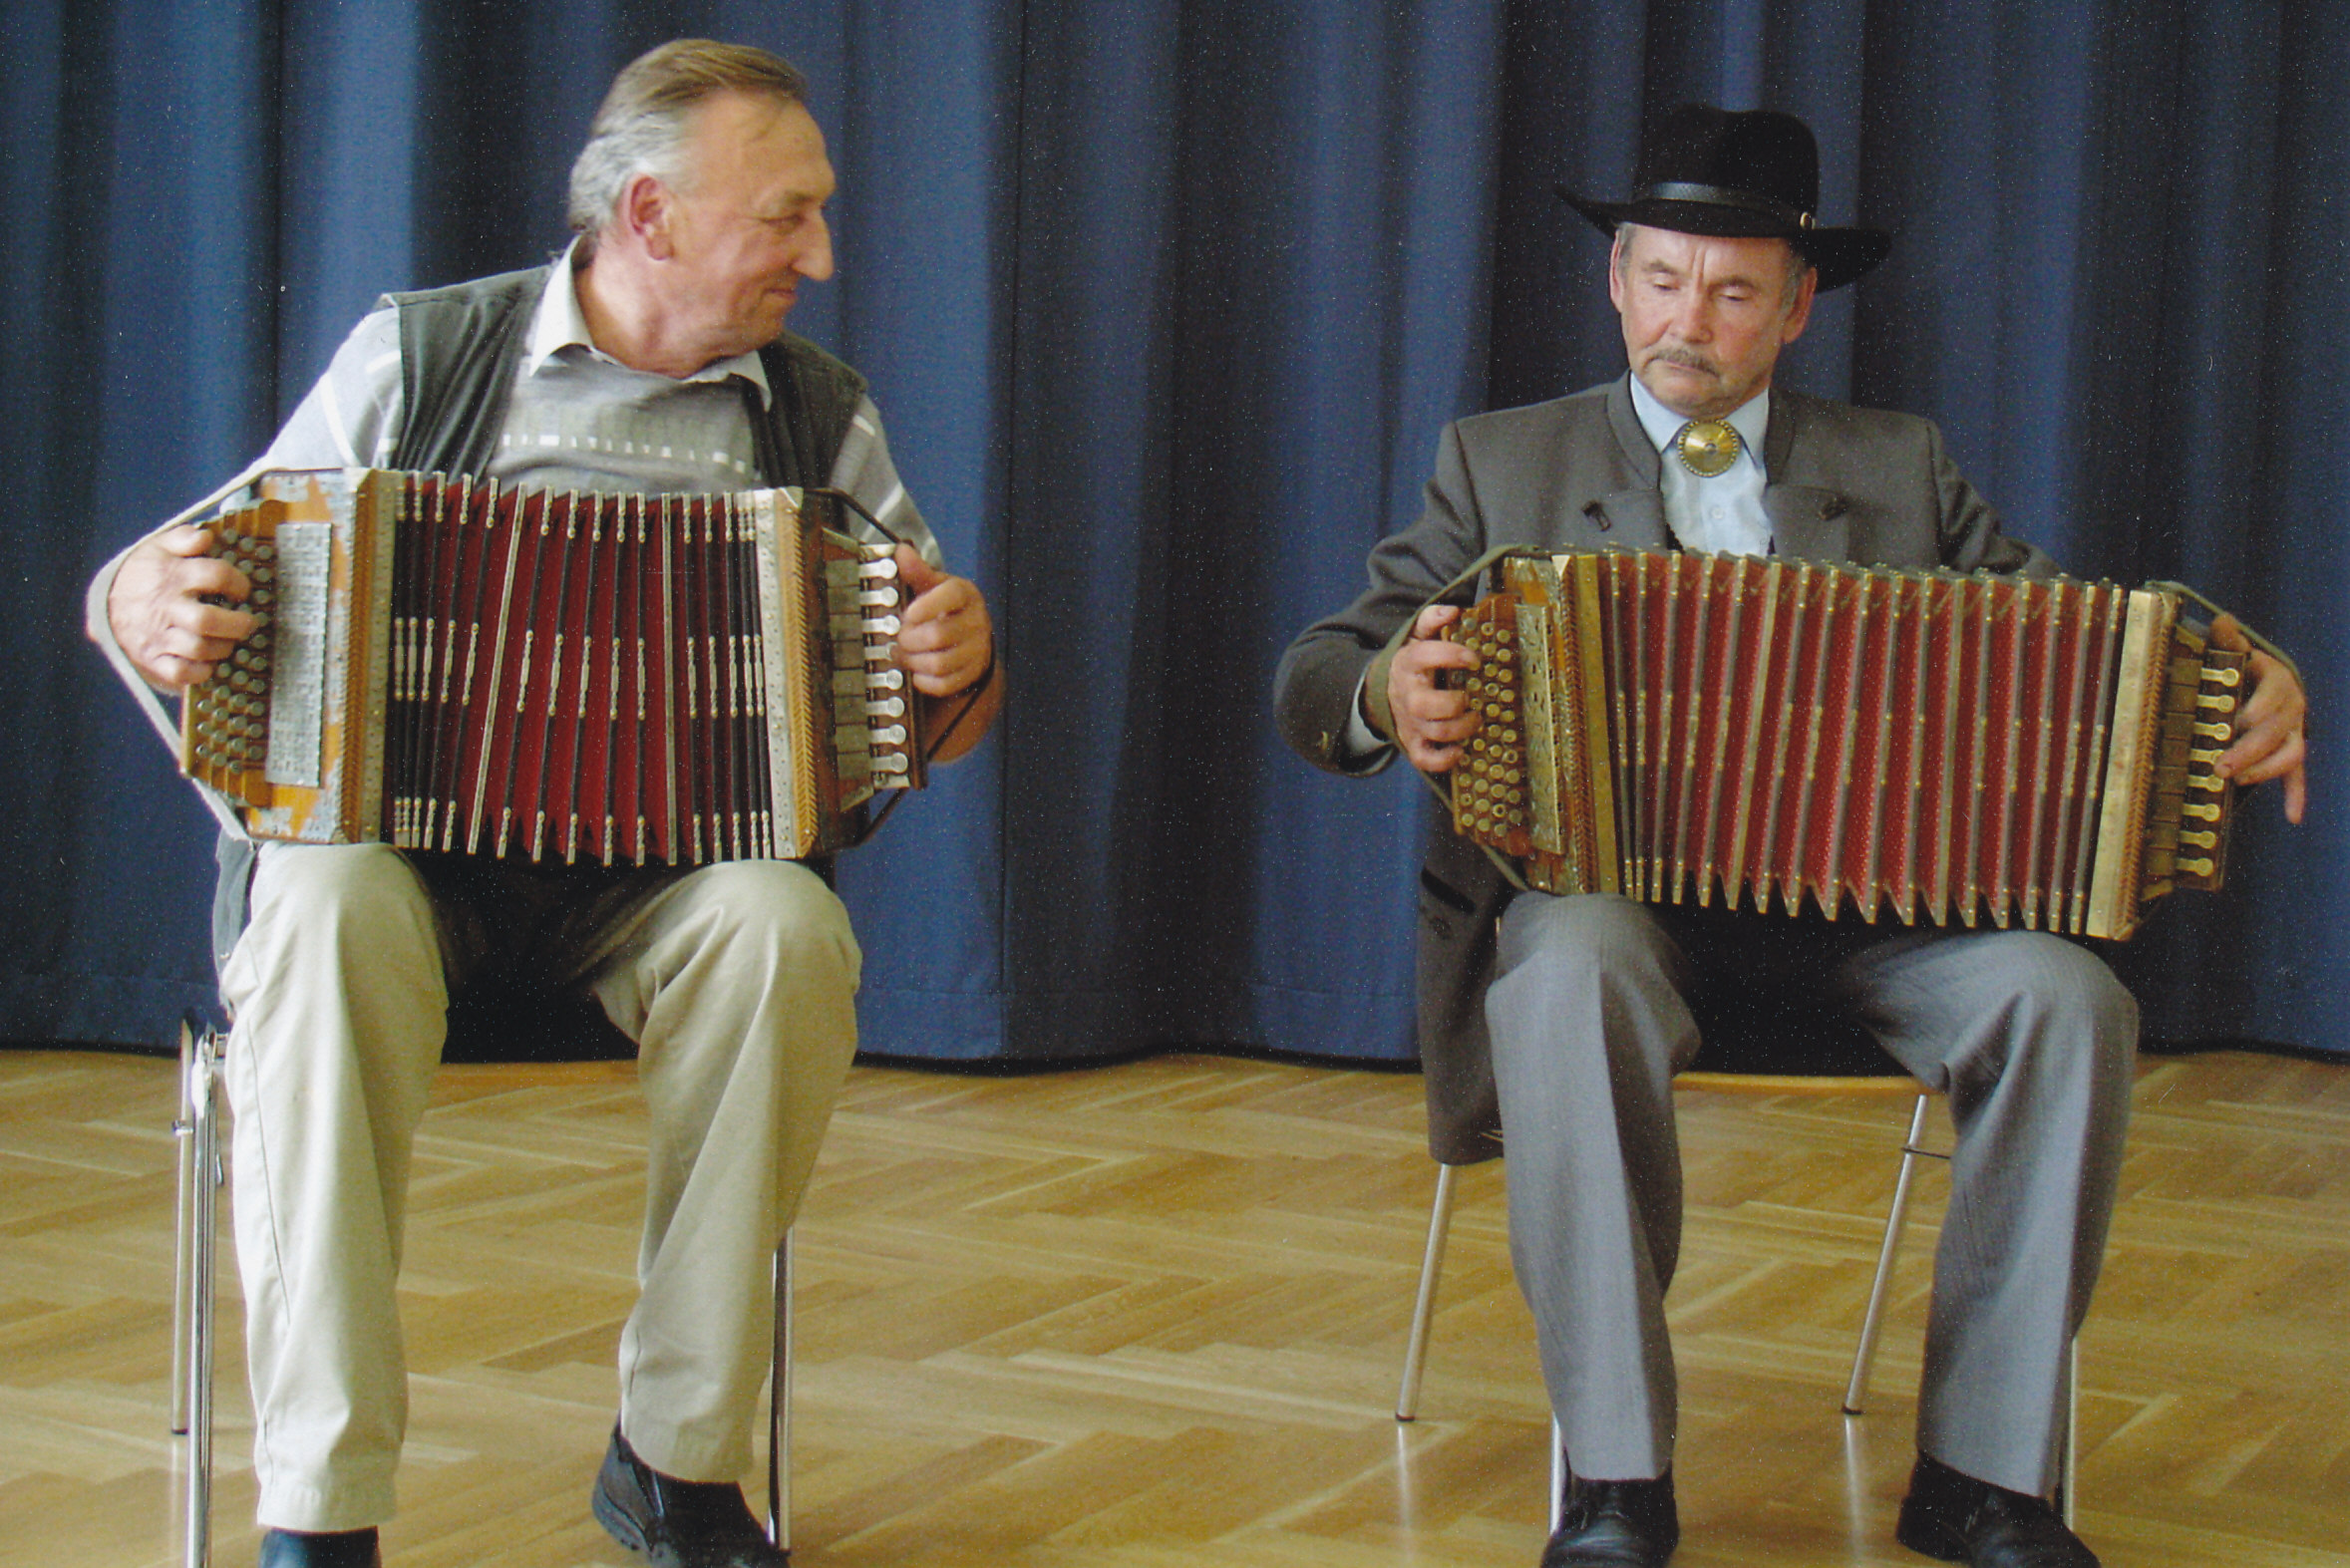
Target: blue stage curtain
(1165,302)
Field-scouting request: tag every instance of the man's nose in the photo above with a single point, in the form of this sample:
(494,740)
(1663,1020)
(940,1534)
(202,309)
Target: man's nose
(815,261)
(1693,321)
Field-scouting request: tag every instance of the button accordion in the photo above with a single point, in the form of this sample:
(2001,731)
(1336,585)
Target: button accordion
(1676,727)
(444,664)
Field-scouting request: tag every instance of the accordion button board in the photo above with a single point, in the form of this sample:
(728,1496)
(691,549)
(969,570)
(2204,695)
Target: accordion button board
(447,665)
(1682,727)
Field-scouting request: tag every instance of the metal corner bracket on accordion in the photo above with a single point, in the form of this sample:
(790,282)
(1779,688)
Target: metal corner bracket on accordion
(444,664)
(1682,727)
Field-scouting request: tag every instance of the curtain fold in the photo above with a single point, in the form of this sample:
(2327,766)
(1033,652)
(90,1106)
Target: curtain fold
(1164,303)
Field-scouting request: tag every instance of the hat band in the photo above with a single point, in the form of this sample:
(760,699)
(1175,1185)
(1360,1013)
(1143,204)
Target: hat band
(1723,197)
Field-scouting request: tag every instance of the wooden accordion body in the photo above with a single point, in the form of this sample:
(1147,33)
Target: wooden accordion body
(1673,726)
(447,665)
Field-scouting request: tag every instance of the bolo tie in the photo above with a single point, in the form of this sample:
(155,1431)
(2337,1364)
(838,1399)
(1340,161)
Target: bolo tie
(1706,447)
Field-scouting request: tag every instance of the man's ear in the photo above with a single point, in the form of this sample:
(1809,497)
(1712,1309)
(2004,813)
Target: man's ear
(1800,315)
(645,212)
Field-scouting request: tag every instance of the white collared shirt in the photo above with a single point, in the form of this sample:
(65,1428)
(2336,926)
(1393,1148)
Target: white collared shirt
(562,324)
(1723,514)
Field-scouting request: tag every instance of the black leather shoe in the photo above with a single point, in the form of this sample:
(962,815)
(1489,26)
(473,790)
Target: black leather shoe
(1615,1524)
(1951,1515)
(674,1524)
(332,1549)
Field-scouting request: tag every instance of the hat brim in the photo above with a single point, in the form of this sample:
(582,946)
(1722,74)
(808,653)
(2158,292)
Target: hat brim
(1837,255)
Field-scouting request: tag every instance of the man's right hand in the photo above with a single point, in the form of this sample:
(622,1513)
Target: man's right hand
(1431,720)
(161,607)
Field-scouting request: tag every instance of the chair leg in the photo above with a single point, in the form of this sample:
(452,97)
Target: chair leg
(200,1217)
(183,1227)
(1557,1474)
(1873,1321)
(2066,1472)
(779,1424)
(1432,1264)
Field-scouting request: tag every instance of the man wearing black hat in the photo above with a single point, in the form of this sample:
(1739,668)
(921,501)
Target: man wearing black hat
(1554,1025)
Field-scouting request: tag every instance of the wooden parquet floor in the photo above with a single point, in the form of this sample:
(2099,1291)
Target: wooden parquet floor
(1153,1314)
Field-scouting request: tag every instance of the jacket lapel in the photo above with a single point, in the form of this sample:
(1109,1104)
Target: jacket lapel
(1633,516)
(1807,523)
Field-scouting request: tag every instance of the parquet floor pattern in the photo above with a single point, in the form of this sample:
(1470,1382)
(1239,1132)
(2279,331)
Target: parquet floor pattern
(1153,1314)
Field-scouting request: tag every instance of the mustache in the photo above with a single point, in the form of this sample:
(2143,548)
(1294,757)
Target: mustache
(1689,358)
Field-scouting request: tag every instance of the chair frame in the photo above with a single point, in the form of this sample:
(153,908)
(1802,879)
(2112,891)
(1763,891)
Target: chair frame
(195,1303)
(1913,1150)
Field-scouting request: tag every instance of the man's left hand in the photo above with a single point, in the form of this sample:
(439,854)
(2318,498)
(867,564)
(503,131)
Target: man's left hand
(944,636)
(2271,739)
(946,644)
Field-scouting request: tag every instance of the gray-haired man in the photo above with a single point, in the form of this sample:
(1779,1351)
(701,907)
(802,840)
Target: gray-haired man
(650,358)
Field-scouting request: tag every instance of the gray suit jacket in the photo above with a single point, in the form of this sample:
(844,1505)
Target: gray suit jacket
(1578,473)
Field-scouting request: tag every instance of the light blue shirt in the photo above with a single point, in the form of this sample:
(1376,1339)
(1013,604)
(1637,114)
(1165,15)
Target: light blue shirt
(1723,514)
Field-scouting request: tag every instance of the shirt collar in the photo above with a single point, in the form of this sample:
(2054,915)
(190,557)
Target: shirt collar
(561,324)
(1750,418)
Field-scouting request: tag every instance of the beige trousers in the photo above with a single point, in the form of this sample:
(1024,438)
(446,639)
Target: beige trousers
(737,982)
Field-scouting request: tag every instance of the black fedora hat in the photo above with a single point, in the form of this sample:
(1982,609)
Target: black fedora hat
(1751,175)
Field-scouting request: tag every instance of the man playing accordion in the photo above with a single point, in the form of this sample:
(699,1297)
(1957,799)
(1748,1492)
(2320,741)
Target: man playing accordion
(649,358)
(1557,1023)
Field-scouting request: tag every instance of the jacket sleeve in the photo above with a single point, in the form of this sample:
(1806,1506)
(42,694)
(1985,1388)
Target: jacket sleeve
(1314,687)
(1970,534)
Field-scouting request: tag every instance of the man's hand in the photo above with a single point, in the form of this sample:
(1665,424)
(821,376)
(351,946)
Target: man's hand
(945,643)
(2272,740)
(944,636)
(162,610)
(1431,720)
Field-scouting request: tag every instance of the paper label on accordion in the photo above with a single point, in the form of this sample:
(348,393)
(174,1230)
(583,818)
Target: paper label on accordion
(297,696)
